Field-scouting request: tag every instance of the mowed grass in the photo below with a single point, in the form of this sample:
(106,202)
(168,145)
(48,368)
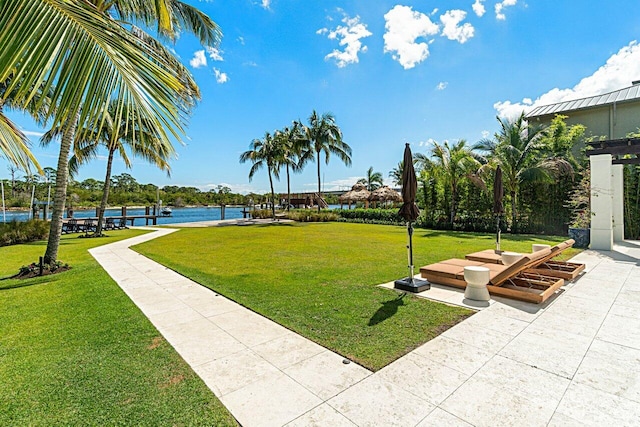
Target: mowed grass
(320,279)
(74,350)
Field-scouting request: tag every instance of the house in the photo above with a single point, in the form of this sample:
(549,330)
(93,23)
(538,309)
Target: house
(610,117)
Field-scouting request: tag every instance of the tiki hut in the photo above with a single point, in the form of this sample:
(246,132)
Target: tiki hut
(385,194)
(358,193)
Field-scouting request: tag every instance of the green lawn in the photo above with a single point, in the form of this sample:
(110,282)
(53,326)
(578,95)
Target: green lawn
(319,279)
(74,350)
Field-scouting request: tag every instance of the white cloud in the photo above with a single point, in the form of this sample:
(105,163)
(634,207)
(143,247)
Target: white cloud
(485,134)
(451,28)
(214,54)
(241,40)
(478,8)
(349,35)
(499,7)
(403,26)
(615,74)
(266,3)
(198,60)
(220,76)
(235,188)
(442,85)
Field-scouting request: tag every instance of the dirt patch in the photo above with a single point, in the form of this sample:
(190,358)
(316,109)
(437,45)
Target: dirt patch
(33,270)
(155,343)
(176,379)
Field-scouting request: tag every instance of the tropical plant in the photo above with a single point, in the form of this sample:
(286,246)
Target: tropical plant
(372,181)
(518,148)
(133,136)
(396,173)
(85,55)
(453,164)
(264,152)
(323,136)
(14,145)
(289,141)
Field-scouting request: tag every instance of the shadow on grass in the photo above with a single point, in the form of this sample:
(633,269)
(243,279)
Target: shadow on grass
(388,309)
(479,234)
(24,283)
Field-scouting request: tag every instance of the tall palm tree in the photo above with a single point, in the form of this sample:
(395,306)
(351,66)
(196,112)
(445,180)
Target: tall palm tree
(396,173)
(134,137)
(373,180)
(85,54)
(517,149)
(264,152)
(323,136)
(289,141)
(454,163)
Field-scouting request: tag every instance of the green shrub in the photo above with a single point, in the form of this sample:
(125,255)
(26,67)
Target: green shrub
(310,215)
(370,216)
(261,213)
(15,232)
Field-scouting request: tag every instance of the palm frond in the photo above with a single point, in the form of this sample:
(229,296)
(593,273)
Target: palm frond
(84,59)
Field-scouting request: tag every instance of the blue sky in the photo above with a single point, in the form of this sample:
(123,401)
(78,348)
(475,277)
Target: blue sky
(391,72)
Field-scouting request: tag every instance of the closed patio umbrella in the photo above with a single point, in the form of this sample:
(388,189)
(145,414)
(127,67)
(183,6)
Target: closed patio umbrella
(410,212)
(498,207)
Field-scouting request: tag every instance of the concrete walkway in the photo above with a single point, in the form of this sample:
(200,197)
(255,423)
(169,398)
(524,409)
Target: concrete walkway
(572,361)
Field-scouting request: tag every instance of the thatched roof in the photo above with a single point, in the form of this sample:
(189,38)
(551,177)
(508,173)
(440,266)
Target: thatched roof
(358,193)
(384,194)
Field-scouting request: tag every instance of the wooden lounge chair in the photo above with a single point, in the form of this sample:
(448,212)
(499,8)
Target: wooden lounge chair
(544,267)
(512,281)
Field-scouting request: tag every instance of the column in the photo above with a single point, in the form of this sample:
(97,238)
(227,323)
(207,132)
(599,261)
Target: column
(618,202)
(601,202)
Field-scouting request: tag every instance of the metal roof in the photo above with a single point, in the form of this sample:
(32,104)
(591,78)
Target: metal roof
(627,94)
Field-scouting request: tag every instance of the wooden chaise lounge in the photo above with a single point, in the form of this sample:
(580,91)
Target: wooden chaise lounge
(512,281)
(545,267)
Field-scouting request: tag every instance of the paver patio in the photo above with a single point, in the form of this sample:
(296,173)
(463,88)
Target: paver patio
(574,360)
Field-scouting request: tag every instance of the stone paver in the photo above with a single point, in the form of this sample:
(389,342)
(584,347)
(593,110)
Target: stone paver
(574,360)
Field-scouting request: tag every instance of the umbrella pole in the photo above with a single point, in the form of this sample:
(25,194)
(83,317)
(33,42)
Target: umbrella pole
(410,247)
(498,251)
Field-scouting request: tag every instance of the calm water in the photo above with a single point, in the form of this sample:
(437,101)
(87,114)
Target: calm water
(179,214)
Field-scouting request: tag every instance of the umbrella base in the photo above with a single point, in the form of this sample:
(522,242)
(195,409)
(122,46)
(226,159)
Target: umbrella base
(412,285)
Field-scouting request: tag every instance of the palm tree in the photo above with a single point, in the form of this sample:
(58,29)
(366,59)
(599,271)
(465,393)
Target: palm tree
(323,136)
(373,180)
(453,164)
(517,149)
(264,152)
(288,140)
(86,54)
(396,173)
(14,145)
(134,136)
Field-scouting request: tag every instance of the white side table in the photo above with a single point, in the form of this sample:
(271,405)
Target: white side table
(477,279)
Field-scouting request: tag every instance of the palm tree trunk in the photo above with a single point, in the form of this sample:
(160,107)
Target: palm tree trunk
(453,204)
(288,190)
(59,198)
(273,196)
(319,189)
(105,192)
(514,203)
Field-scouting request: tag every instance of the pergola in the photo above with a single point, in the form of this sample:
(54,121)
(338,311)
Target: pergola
(607,188)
